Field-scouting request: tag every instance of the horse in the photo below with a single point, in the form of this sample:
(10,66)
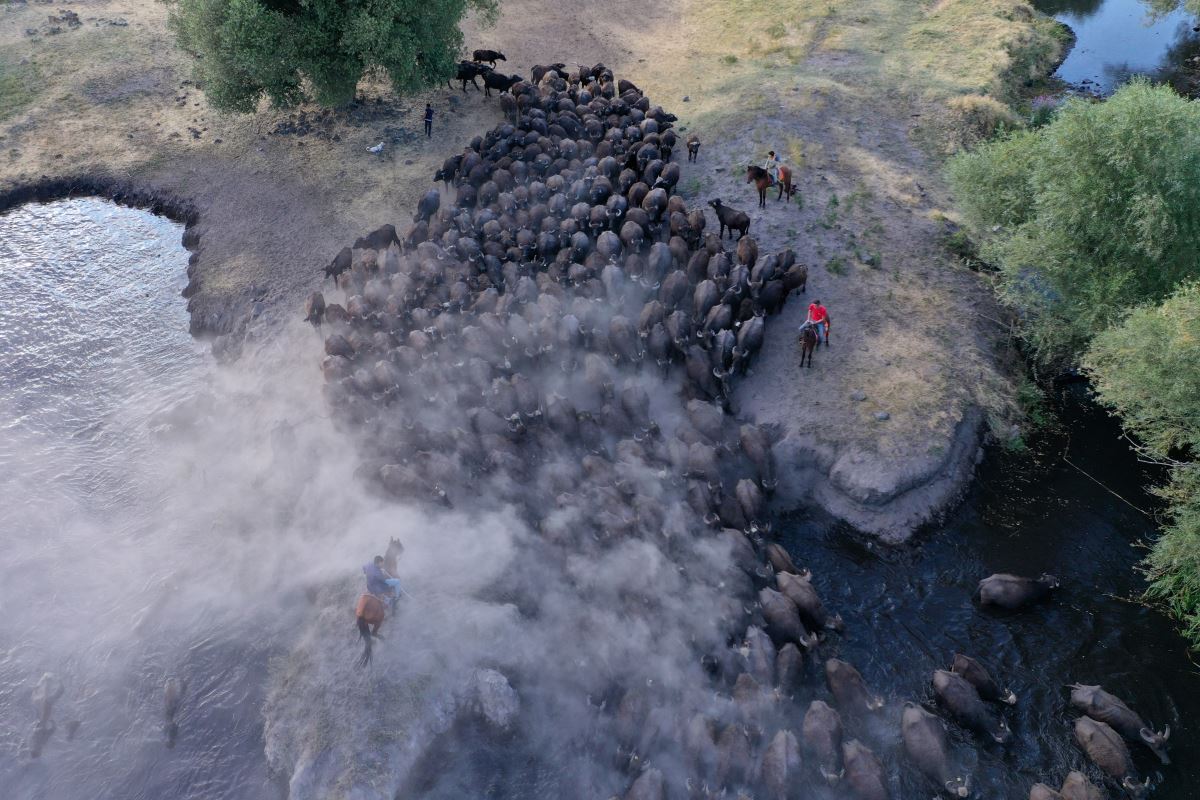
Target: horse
(369,614)
(808,343)
(370,611)
(762,181)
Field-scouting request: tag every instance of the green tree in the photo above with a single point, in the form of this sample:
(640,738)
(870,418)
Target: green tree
(1090,215)
(291,51)
(1148,369)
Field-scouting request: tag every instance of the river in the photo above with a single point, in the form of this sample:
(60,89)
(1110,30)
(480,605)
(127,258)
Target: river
(166,516)
(1117,39)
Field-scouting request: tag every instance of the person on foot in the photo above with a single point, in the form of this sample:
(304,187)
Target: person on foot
(428,121)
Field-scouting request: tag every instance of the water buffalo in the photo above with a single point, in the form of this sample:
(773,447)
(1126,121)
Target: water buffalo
(780,561)
(925,743)
(731,219)
(1013,592)
(693,147)
(978,677)
(965,705)
(499,82)
(799,590)
(467,72)
(1040,791)
(428,205)
(864,772)
(314,309)
(648,786)
(849,689)
(1076,786)
(1106,749)
(822,732)
(781,765)
(783,619)
(1104,707)
(341,263)
(757,448)
(759,655)
(490,56)
(788,665)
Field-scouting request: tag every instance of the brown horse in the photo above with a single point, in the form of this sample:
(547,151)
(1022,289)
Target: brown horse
(808,343)
(762,181)
(370,611)
(368,616)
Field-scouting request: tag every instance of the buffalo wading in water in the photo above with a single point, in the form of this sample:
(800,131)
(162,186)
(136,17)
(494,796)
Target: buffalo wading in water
(1013,592)
(978,676)
(924,737)
(1105,748)
(1109,709)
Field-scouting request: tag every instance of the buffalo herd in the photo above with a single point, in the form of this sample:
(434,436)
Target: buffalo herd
(564,331)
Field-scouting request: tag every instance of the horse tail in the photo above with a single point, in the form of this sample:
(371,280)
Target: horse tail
(364,633)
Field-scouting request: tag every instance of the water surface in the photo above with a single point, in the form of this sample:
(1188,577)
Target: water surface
(1117,39)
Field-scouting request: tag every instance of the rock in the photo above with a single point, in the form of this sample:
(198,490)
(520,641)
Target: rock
(858,395)
(687,99)
(882,416)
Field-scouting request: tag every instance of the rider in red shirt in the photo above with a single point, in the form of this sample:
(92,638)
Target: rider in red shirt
(819,315)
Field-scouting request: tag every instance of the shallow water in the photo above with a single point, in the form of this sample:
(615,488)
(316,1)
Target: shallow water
(1117,39)
(96,358)
(162,523)
(908,610)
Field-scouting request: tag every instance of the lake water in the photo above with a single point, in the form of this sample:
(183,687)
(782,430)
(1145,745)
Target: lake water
(1117,39)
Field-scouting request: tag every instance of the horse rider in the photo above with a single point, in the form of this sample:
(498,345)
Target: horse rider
(818,316)
(380,583)
(772,165)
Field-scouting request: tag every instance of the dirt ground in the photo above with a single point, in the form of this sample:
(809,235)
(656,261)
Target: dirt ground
(861,97)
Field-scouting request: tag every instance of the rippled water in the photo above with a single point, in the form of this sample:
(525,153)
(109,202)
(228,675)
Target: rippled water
(1117,39)
(96,363)
(908,610)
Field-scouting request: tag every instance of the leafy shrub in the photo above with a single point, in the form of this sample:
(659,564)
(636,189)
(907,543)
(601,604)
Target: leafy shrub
(291,51)
(975,118)
(1090,215)
(1148,370)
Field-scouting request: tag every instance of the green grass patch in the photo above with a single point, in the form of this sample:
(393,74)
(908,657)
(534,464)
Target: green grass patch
(836,265)
(777,31)
(729,60)
(18,84)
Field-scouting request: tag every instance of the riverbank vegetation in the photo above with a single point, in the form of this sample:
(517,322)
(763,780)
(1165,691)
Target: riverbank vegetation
(1094,223)
(292,52)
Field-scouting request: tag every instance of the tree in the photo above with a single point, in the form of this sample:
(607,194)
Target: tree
(1090,215)
(1148,369)
(291,51)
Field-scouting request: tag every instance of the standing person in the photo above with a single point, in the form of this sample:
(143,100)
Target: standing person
(428,121)
(819,315)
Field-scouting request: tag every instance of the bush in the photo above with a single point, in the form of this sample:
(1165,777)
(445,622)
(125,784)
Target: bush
(1148,370)
(975,118)
(1090,215)
(291,51)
